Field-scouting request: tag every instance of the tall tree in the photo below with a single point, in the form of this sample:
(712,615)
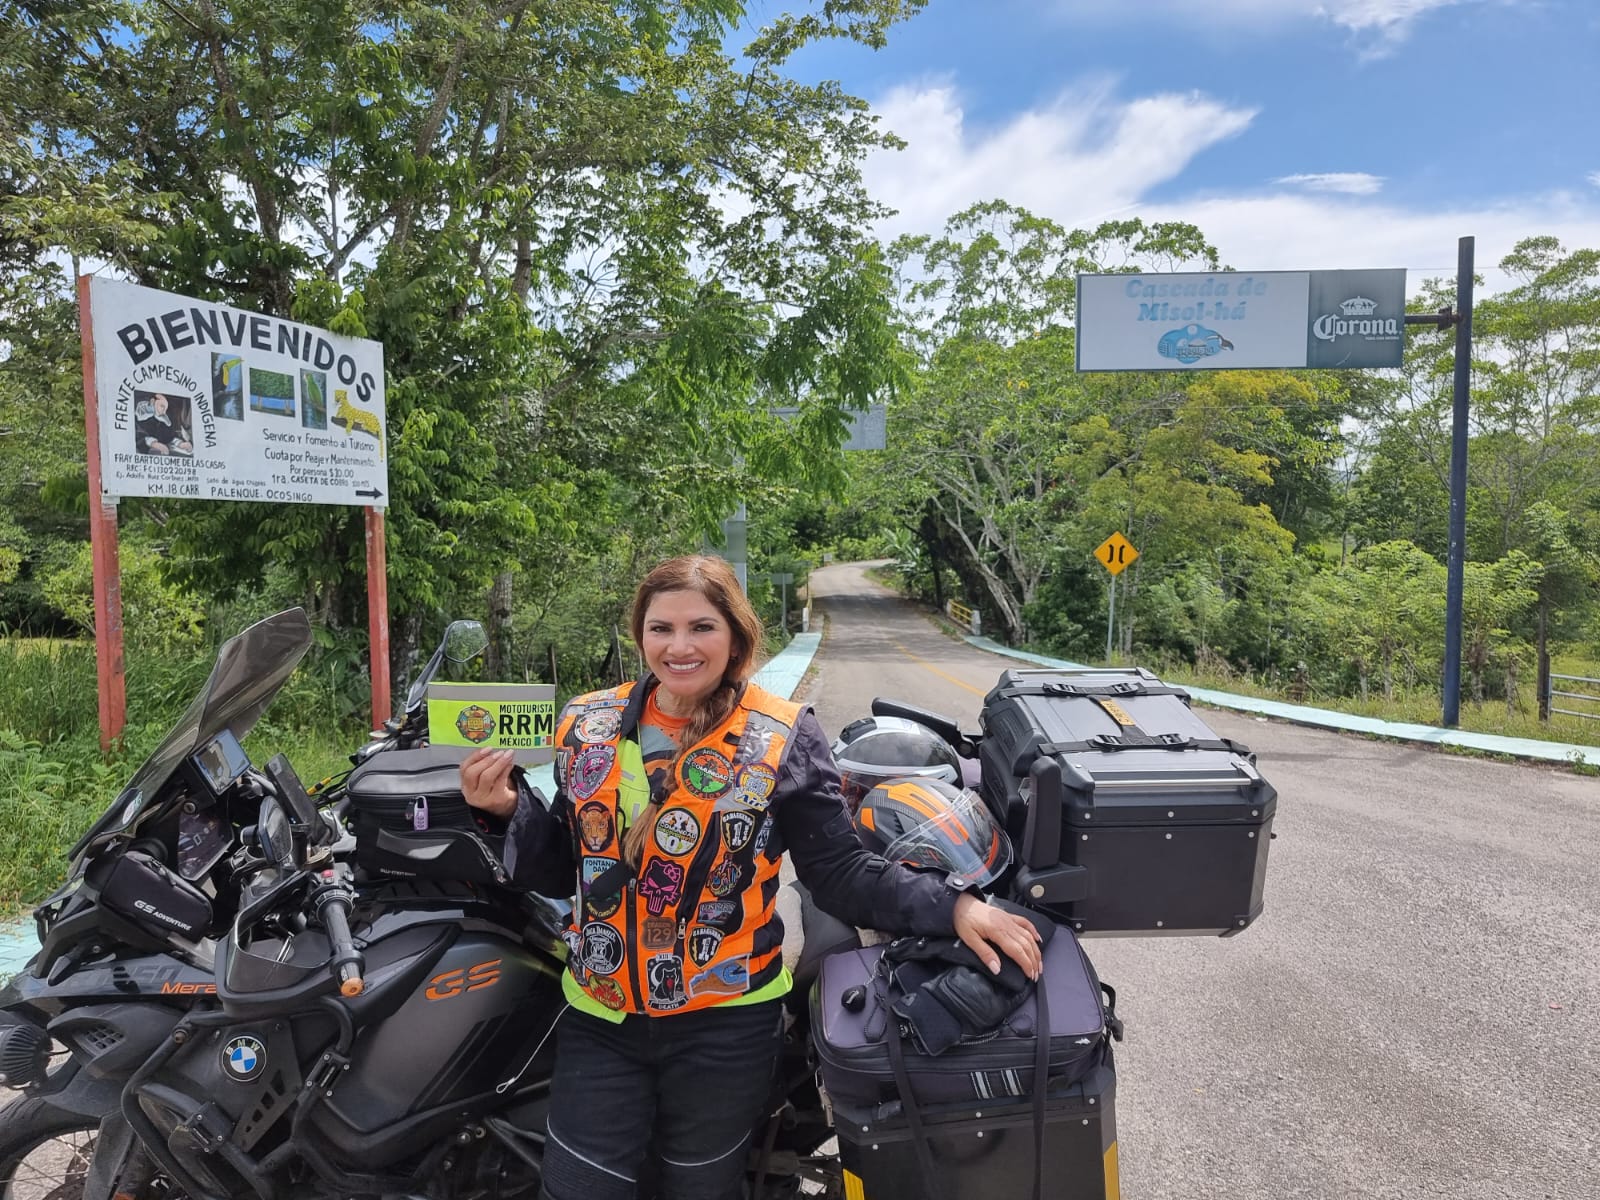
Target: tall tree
(587,238)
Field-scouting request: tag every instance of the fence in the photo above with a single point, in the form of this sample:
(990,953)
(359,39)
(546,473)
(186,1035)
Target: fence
(1552,692)
(962,615)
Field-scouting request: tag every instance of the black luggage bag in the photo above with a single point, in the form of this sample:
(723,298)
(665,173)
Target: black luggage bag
(1133,816)
(411,819)
(973,1116)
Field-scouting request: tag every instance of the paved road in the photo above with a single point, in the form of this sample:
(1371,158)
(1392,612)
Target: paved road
(1417,1014)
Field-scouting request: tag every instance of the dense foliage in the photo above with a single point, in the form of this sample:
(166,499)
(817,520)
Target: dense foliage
(1292,525)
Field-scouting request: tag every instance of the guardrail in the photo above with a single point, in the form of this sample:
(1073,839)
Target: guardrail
(1552,692)
(962,615)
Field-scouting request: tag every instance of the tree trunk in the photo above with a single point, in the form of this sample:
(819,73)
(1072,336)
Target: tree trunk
(1543,652)
(497,658)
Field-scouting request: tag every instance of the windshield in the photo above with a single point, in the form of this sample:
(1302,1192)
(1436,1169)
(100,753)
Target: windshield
(249,670)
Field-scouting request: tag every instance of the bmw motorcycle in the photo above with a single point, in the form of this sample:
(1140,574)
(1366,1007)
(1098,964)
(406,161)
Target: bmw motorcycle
(220,1007)
(198,1020)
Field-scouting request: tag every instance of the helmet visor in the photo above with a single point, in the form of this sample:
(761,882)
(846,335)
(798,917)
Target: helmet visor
(962,839)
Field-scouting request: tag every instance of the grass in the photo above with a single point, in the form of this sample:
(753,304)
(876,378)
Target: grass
(1419,706)
(54,781)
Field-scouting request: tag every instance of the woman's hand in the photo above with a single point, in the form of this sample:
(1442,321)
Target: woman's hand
(486,781)
(985,929)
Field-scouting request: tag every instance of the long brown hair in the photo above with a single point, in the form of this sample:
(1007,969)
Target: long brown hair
(714,579)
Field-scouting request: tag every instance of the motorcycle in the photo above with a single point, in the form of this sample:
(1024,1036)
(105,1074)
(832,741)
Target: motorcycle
(221,1007)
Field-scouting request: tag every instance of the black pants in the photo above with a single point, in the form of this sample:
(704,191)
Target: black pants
(690,1086)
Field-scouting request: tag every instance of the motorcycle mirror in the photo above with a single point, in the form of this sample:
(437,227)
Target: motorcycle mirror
(464,641)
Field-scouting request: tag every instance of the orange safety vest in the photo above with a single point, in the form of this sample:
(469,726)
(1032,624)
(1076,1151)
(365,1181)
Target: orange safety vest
(696,925)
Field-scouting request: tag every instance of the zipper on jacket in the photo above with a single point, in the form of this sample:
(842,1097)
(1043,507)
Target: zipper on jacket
(631,951)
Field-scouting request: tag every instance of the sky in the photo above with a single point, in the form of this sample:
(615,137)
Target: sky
(1297,134)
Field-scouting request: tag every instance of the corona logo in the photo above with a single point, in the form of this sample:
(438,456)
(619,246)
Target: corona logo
(1358,320)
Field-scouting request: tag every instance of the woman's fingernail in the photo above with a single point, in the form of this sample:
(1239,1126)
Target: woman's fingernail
(994,966)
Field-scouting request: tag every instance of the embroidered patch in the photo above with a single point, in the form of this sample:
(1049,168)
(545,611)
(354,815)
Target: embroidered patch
(703,943)
(598,908)
(731,978)
(594,826)
(737,828)
(677,832)
(589,770)
(602,948)
(574,941)
(662,885)
(475,723)
(563,762)
(593,868)
(764,834)
(598,724)
(706,773)
(608,991)
(665,975)
(657,933)
(724,878)
(753,786)
(717,912)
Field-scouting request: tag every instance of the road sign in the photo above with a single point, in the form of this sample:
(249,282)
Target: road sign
(1222,319)
(1116,553)
(200,401)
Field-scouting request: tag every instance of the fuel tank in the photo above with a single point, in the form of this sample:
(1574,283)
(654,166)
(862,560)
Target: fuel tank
(469,1036)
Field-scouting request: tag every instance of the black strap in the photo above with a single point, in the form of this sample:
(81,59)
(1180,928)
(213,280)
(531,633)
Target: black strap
(1041,1080)
(1140,740)
(913,1111)
(1060,687)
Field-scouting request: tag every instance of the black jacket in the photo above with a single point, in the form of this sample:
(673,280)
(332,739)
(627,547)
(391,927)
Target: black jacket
(812,824)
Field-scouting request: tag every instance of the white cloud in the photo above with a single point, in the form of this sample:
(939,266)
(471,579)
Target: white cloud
(1381,24)
(1350,183)
(1086,155)
(1089,157)
(1594,178)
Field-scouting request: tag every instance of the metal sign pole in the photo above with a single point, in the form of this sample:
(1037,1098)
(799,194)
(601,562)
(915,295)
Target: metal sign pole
(1111,618)
(1456,567)
(109,665)
(378,615)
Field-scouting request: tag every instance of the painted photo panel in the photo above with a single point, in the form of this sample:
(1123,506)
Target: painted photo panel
(162,425)
(314,399)
(271,392)
(227,386)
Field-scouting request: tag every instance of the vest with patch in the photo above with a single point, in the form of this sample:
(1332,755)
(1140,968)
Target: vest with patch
(697,924)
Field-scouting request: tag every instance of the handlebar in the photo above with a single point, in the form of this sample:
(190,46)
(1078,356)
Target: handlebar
(332,904)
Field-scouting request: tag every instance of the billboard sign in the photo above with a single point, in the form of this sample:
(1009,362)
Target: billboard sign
(202,401)
(1234,319)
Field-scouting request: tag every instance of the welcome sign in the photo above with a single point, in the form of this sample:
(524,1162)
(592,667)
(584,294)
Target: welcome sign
(1233,319)
(203,401)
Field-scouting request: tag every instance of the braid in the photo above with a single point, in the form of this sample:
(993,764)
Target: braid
(712,712)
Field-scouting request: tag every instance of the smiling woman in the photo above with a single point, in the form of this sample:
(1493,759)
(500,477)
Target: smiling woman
(677,797)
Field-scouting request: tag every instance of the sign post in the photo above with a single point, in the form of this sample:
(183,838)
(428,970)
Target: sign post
(1115,554)
(103,544)
(190,400)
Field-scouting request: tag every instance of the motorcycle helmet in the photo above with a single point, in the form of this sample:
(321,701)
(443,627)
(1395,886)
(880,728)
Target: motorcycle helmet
(931,823)
(874,750)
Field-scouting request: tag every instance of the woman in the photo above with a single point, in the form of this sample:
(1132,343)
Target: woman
(677,797)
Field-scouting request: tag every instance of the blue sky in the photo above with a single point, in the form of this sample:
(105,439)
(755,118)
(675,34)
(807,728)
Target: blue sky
(1295,133)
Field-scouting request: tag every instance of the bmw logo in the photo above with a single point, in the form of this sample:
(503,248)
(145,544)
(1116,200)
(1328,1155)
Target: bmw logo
(243,1058)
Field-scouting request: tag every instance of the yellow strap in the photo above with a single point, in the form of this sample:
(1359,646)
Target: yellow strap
(633,785)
